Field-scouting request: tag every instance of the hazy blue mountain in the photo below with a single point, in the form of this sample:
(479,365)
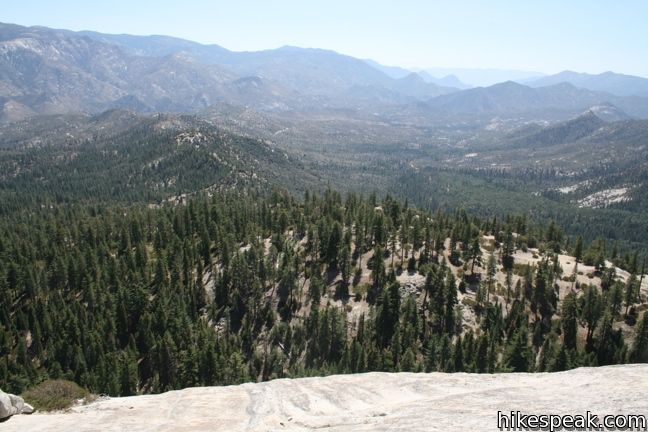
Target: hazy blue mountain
(449,81)
(160,46)
(45,71)
(48,71)
(307,70)
(510,98)
(314,72)
(484,77)
(446,81)
(415,86)
(395,72)
(610,82)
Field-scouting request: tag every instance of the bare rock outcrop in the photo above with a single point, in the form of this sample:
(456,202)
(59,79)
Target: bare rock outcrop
(409,402)
(11,405)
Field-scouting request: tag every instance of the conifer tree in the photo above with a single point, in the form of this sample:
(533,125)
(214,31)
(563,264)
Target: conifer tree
(639,352)
(518,354)
(569,321)
(630,292)
(591,311)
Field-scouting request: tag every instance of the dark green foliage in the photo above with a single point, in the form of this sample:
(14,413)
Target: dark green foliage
(246,286)
(518,355)
(569,320)
(639,353)
(156,158)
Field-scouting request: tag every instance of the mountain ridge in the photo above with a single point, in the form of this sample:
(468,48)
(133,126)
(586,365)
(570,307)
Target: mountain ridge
(48,71)
(511,98)
(609,82)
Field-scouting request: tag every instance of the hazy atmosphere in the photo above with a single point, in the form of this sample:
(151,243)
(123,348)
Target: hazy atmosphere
(333,216)
(543,36)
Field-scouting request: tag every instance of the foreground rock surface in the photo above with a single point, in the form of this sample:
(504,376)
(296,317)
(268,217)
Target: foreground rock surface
(364,402)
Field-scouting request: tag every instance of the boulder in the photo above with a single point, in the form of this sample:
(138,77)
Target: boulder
(6,407)
(17,402)
(11,404)
(409,289)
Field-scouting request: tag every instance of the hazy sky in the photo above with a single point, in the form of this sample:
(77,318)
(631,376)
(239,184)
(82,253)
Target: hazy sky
(540,35)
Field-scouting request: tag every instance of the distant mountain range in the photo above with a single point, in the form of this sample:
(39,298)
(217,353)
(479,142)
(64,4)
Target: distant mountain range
(610,82)
(398,73)
(447,80)
(310,71)
(484,77)
(556,101)
(45,71)
(48,71)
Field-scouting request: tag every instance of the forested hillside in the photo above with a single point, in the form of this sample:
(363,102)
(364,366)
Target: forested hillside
(245,286)
(592,187)
(119,157)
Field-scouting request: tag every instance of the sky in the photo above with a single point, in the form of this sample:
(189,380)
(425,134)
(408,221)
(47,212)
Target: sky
(546,36)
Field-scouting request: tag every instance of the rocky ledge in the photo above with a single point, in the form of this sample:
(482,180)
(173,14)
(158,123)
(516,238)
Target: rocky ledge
(364,402)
